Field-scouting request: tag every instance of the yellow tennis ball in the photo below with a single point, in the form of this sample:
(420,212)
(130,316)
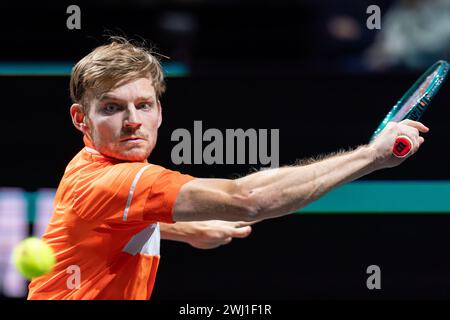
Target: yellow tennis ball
(33,257)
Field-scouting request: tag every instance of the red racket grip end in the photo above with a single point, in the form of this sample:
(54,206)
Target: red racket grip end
(402,146)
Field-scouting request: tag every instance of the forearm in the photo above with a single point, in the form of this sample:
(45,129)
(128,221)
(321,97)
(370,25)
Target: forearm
(179,231)
(276,192)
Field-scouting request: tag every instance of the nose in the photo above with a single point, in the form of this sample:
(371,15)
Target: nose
(132,120)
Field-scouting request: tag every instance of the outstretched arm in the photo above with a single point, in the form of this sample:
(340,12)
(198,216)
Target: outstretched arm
(277,192)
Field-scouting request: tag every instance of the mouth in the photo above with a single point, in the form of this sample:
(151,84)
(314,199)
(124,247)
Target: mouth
(133,139)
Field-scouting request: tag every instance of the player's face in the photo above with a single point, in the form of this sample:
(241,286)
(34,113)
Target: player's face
(123,123)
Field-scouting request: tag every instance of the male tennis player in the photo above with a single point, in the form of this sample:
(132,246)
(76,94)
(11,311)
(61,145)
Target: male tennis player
(111,203)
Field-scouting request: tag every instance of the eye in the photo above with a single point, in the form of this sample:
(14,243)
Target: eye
(110,108)
(145,106)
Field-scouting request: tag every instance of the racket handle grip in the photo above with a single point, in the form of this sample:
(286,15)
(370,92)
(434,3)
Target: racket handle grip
(402,146)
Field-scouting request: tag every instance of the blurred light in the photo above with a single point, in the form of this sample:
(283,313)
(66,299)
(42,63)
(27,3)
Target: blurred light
(58,69)
(344,28)
(413,34)
(13,229)
(44,210)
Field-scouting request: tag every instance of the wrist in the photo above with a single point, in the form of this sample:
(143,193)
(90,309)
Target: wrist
(374,162)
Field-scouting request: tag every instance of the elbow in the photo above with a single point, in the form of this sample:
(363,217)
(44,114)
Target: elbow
(249,205)
(249,209)
(253,211)
(261,203)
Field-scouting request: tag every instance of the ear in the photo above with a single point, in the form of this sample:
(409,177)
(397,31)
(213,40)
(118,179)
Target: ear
(78,117)
(160,114)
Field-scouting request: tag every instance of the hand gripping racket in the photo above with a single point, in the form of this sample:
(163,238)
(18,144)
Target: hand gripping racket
(414,103)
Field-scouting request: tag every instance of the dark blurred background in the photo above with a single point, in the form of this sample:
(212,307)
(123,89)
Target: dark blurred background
(312,69)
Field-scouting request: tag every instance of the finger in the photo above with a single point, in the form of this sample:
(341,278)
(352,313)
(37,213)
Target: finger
(421,140)
(227,240)
(216,244)
(412,134)
(240,224)
(418,143)
(415,124)
(241,232)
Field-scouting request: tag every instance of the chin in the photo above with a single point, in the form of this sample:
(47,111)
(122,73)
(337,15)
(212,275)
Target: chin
(128,153)
(133,154)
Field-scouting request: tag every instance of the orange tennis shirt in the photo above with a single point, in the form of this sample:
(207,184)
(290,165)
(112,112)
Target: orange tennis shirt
(104,229)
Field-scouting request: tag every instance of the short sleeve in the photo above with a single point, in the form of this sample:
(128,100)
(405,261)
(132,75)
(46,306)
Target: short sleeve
(163,194)
(129,192)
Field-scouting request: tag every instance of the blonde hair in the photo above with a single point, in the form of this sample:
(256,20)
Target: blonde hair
(108,65)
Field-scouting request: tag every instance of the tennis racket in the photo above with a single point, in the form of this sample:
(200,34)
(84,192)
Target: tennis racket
(414,103)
